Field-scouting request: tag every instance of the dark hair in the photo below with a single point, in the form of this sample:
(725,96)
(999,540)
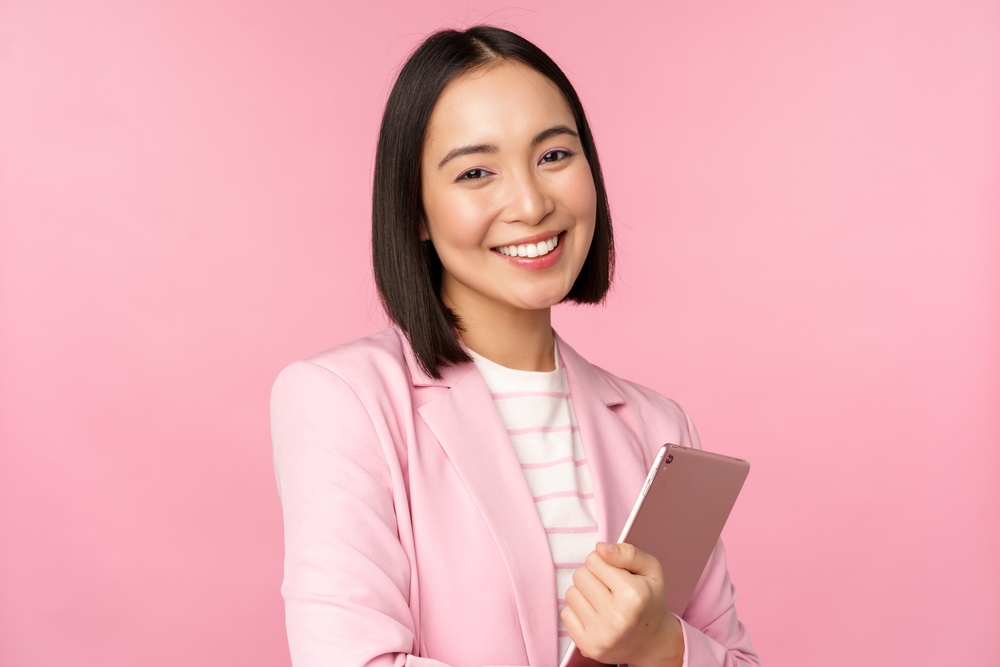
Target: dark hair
(408,270)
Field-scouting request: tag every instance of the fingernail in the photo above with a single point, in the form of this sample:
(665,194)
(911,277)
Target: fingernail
(608,547)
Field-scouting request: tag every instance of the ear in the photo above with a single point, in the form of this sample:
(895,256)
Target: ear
(424,234)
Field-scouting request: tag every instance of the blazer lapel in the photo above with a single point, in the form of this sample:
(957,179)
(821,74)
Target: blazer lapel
(466,423)
(615,456)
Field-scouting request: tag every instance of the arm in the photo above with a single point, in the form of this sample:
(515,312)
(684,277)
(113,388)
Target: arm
(616,613)
(713,635)
(347,576)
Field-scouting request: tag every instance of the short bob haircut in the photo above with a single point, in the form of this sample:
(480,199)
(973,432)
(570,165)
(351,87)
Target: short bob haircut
(408,270)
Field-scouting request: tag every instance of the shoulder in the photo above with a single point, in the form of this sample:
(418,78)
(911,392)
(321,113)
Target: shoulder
(369,376)
(639,395)
(662,418)
(655,418)
(351,398)
(336,411)
(374,361)
(379,353)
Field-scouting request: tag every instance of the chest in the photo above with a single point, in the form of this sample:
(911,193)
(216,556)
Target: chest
(483,581)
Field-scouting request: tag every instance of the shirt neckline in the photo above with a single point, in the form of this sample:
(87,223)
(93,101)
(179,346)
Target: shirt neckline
(481,360)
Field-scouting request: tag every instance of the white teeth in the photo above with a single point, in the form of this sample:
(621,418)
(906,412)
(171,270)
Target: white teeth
(529,249)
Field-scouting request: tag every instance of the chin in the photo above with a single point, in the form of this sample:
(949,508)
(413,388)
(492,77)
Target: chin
(539,301)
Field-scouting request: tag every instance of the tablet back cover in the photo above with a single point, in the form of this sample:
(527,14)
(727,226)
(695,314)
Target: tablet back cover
(683,513)
(680,519)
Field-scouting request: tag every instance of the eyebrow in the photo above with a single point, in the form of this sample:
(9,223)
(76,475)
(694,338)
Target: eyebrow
(553,131)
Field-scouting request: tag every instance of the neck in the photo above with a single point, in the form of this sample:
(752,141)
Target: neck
(512,337)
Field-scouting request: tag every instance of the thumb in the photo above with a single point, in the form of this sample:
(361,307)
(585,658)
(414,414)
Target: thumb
(627,557)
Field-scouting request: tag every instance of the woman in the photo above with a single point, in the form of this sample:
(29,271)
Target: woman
(445,480)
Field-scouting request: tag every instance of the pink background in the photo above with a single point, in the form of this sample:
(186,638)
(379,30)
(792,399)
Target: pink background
(807,202)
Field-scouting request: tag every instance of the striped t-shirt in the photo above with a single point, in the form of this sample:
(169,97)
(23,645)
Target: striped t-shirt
(537,411)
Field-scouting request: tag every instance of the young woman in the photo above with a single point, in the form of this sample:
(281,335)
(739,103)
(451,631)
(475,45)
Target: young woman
(449,483)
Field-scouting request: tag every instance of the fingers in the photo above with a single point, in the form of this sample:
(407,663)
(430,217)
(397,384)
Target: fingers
(583,598)
(610,572)
(578,612)
(627,557)
(615,608)
(612,576)
(590,585)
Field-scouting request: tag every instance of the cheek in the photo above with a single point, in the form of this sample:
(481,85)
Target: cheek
(581,200)
(456,221)
(581,196)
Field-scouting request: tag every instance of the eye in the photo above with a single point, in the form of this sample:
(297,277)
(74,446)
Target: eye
(473,175)
(555,155)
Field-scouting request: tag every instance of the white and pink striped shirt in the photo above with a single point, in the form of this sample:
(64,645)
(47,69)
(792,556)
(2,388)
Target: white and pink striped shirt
(537,411)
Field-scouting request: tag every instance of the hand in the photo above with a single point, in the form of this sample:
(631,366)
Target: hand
(616,611)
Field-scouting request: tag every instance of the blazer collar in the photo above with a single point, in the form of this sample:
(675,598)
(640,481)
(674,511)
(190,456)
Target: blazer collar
(578,369)
(466,424)
(581,372)
(450,375)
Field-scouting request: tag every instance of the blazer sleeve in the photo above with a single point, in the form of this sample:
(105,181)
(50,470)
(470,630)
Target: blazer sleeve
(713,635)
(347,576)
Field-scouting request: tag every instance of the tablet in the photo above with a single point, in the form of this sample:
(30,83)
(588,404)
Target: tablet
(678,517)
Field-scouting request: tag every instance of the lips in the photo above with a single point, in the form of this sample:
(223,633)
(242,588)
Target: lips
(537,249)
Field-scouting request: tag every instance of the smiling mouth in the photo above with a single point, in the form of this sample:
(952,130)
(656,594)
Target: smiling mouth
(529,249)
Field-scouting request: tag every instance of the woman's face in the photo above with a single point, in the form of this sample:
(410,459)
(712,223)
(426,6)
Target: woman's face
(504,180)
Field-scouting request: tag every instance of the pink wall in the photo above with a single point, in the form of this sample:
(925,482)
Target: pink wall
(807,201)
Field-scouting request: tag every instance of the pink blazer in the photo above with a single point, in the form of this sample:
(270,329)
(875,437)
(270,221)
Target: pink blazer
(410,535)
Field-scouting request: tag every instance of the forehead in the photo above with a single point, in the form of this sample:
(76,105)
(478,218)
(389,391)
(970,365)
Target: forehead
(508,100)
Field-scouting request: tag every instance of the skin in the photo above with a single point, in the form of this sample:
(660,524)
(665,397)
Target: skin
(481,200)
(502,163)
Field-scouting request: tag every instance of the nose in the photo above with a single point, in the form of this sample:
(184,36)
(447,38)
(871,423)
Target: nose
(525,200)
